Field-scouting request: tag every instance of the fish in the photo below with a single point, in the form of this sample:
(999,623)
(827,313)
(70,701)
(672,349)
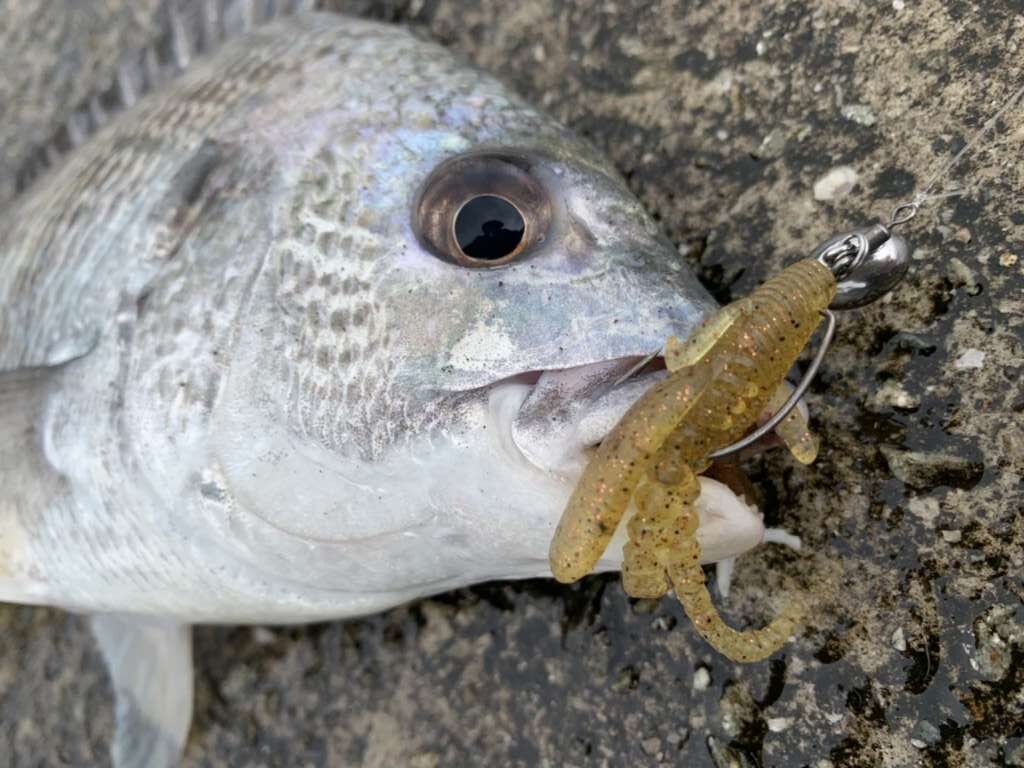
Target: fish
(328,323)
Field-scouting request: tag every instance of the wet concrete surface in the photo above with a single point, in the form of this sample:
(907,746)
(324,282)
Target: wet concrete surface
(726,118)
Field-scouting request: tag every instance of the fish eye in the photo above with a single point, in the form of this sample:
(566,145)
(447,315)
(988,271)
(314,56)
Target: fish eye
(482,210)
(488,228)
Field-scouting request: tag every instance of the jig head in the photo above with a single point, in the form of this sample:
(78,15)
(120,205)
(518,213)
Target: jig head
(867,263)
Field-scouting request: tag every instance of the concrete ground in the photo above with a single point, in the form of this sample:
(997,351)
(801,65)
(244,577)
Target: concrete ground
(729,119)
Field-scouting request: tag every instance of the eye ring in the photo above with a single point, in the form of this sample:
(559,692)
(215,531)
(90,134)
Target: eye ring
(479,200)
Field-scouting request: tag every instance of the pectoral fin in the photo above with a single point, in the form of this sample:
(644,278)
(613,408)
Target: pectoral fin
(150,665)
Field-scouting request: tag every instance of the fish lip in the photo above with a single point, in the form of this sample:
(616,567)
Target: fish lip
(555,428)
(531,377)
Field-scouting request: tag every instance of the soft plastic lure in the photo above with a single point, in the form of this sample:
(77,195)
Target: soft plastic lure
(721,379)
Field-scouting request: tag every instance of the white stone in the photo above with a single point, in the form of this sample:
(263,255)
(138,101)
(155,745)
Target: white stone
(263,636)
(859,113)
(971,358)
(899,642)
(701,679)
(836,183)
(892,394)
(779,724)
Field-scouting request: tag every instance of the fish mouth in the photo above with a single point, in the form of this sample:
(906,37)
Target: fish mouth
(555,418)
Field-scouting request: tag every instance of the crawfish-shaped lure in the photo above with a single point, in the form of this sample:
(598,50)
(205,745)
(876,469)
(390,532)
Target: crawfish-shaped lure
(720,380)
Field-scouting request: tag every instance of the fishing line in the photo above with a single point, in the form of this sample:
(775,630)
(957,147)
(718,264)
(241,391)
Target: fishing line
(904,212)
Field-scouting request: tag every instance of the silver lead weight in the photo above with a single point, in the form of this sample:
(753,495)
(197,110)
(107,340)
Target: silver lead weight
(867,262)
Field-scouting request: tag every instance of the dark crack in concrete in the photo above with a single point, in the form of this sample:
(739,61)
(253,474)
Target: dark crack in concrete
(724,116)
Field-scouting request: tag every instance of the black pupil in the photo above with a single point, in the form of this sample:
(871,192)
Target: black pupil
(488,228)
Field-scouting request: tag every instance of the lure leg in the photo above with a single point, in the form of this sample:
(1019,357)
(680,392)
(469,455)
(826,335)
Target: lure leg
(793,430)
(682,353)
(610,479)
(665,522)
(642,574)
(751,645)
(668,534)
(687,578)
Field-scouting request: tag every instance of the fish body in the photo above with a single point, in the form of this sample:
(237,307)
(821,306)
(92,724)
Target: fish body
(247,374)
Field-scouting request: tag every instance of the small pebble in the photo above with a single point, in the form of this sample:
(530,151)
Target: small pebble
(859,113)
(263,636)
(925,735)
(995,636)
(778,724)
(952,536)
(898,5)
(892,395)
(677,739)
(652,745)
(837,183)
(970,359)
(771,146)
(625,680)
(960,274)
(899,642)
(1008,259)
(924,508)
(905,341)
(701,679)
(925,470)
(663,623)
(834,718)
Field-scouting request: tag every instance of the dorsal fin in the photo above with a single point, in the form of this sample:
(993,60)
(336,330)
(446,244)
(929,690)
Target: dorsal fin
(187,28)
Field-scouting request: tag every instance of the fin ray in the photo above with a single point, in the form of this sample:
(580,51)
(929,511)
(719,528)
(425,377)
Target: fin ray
(185,29)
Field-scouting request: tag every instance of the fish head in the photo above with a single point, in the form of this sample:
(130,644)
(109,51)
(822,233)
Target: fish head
(456,287)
